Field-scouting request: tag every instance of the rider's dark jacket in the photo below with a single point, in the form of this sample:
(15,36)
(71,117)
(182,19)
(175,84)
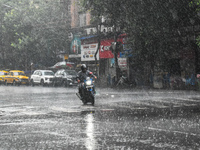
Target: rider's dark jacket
(83,75)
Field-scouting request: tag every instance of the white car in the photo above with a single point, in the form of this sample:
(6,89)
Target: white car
(42,77)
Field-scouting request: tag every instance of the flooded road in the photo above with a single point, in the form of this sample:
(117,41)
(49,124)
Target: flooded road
(54,118)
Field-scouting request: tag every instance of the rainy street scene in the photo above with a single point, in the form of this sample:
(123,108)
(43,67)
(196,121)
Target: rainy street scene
(99,75)
(54,118)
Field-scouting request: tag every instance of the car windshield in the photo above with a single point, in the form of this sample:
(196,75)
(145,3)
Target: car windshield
(71,72)
(48,73)
(18,74)
(3,73)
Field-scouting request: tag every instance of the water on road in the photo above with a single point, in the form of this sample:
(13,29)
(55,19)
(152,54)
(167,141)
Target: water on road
(54,118)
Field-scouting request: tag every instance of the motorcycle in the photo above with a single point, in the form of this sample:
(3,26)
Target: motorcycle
(88,91)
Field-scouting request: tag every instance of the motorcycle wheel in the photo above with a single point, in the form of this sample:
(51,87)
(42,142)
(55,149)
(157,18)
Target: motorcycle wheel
(92,98)
(92,101)
(84,102)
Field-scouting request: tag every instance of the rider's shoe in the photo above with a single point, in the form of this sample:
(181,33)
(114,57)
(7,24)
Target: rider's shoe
(81,97)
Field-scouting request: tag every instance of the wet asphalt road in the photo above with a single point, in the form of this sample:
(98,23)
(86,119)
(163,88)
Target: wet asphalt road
(40,118)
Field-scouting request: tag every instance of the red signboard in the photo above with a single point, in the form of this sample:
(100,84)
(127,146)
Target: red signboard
(105,51)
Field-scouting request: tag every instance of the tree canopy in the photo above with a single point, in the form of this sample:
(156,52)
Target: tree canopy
(35,31)
(32,31)
(154,27)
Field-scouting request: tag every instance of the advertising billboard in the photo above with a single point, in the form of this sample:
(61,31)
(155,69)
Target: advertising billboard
(105,51)
(122,62)
(88,52)
(75,48)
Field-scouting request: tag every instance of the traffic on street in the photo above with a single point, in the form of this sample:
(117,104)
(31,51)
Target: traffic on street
(99,75)
(54,118)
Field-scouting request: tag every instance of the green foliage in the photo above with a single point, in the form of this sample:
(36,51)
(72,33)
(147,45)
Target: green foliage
(152,25)
(27,26)
(195,4)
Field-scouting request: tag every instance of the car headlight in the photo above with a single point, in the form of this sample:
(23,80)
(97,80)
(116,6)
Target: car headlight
(88,82)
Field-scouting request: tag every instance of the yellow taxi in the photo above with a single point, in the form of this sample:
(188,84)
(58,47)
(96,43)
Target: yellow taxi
(3,73)
(16,77)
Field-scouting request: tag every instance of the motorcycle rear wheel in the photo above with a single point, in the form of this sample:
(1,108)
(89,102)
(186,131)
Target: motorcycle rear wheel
(90,99)
(84,102)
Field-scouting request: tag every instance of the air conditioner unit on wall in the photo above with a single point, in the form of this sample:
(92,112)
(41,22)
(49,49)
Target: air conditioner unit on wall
(94,30)
(70,35)
(88,31)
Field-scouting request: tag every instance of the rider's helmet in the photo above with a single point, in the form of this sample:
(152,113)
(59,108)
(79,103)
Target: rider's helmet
(83,68)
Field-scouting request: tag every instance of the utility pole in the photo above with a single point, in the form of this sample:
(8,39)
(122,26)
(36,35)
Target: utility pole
(98,27)
(116,50)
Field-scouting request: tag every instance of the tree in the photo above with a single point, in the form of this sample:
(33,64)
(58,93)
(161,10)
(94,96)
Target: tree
(111,11)
(154,28)
(195,5)
(33,32)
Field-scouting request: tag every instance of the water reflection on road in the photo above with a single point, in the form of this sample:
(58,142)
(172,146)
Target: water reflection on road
(90,141)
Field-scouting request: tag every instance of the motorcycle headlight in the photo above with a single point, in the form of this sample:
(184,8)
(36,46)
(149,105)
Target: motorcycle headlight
(89,82)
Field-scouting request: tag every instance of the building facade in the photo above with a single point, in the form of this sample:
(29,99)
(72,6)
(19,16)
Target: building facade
(85,40)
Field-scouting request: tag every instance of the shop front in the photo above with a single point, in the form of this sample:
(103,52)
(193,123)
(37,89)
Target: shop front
(107,60)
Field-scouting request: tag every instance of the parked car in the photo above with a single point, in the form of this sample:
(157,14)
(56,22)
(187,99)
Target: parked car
(42,77)
(16,77)
(64,77)
(3,73)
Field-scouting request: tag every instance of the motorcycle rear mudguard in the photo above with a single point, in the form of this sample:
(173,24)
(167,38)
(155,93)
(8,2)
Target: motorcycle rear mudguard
(88,97)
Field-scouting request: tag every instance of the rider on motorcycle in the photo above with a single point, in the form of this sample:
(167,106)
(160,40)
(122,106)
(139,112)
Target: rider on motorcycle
(81,77)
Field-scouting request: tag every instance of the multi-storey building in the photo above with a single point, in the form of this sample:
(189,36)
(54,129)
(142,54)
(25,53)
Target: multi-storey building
(84,42)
